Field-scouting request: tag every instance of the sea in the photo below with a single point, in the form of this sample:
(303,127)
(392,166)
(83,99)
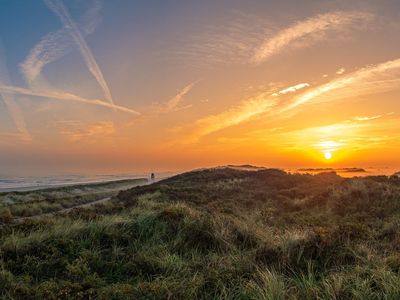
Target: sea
(348,172)
(29,183)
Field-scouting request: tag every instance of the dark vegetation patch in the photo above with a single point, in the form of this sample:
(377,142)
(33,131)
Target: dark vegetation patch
(215,234)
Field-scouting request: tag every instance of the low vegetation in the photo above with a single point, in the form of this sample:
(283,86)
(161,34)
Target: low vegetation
(37,202)
(215,234)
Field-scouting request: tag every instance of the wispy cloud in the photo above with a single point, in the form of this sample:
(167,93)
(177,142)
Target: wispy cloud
(76,131)
(253,107)
(10,101)
(228,42)
(367,118)
(61,95)
(17,115)
(340,71)
(291,89)
(56,45)
(368,80)
(69,24)
(343,136)
(372,79)
(173,104)
(348,135)
(233,116)
(313,29)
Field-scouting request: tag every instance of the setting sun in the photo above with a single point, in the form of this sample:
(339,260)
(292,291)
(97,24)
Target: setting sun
(255,143)
(231,84)
(328,155)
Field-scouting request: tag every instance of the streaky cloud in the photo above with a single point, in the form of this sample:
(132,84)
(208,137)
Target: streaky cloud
(292,89)
(51,48)
(89,132)
(173,103)
(262,103)
(10,101)
(56,45)
(69,24)
(367,118)
(226,44)
(314,28)
(60,95)
(233,116)
(368,80)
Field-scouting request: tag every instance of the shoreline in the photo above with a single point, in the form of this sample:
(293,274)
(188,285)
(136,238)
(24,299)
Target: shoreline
(32,188)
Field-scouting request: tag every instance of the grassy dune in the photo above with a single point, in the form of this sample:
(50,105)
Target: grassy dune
(37,202)
(215,234)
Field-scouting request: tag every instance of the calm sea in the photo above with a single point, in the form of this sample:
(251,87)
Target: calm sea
(25,183)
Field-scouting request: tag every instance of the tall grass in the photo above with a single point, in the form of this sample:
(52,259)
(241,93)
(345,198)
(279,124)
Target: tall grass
(267,236)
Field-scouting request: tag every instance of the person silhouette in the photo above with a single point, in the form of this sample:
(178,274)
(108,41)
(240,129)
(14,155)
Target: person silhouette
(152,176)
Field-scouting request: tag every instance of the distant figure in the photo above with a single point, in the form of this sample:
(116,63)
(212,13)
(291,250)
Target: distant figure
(152,176)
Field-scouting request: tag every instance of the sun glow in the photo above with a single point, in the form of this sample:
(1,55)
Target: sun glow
(328,155)
(328,147)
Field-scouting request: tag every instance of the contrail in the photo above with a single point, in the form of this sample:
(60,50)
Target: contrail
(173,103)
(16,113)
(7,89)
(61,11)
(9,100)
(55,45)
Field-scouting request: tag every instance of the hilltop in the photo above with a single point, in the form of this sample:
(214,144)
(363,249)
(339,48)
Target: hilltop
(222,233)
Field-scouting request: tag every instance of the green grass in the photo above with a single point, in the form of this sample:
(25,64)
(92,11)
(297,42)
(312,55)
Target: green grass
(32,203)
(215,234)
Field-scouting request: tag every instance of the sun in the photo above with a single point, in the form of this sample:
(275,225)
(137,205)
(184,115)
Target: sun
(328,155)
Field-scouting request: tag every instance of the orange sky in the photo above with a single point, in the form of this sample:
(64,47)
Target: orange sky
(101,87)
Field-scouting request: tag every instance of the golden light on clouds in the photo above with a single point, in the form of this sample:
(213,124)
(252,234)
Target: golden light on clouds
(328,148)
(253,84)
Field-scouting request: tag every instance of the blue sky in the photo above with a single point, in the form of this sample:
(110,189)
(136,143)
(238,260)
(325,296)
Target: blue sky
(126,85)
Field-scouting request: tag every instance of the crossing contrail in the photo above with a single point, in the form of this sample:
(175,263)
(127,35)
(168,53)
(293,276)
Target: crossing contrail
(10,102)
(69,24)
(55,45)
(60,95)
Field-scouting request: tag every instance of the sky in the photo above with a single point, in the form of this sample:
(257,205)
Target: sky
(131,86)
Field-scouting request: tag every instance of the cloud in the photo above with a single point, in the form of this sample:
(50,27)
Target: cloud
(233,116)
(371,79)
(72,28)
(76,131)
(345,136)
(56,45)
(313,29)
(291,89)
(173,104)
(340,71)
(10,101)
(228,42)
(17,115)
(262,103)
(367,118)
(60,95)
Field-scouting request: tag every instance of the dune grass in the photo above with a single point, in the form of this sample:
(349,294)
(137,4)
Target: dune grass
(215,234)
(32,203)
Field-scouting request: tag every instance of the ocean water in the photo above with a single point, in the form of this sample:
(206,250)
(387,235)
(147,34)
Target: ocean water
(26,183)
(348,172)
